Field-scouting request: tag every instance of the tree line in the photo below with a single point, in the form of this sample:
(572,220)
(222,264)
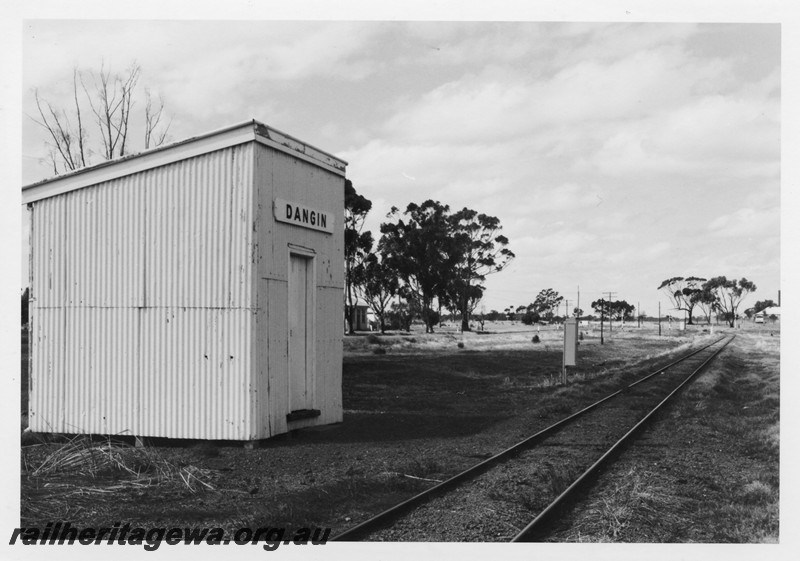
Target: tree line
(428,258)
(548,301)
(717,295)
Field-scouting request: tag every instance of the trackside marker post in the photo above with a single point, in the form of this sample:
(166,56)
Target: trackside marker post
(570,346)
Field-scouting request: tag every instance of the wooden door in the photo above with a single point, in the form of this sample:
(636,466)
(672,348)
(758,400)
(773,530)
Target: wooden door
(301,331)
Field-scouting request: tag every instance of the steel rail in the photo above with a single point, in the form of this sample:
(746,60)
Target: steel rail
(544,516)
(382,518)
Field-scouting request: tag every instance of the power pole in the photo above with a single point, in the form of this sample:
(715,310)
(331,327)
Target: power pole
(610,317)
(602,317)
(659,319)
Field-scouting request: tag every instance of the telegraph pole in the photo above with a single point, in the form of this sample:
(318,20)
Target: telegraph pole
(659,319)
(610,316)
(602,317)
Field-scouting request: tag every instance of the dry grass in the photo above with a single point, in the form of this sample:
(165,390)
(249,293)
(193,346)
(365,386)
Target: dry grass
(144,466)
(708,470)
(634,502)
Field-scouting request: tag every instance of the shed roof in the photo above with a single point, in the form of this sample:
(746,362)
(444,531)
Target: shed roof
(223,138)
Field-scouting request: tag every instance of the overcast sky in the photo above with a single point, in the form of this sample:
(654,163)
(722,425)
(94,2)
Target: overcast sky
(615,155)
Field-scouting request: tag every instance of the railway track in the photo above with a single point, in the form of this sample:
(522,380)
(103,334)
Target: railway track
(516,494)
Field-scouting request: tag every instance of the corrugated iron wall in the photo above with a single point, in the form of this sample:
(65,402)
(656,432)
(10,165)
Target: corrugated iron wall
(142,300)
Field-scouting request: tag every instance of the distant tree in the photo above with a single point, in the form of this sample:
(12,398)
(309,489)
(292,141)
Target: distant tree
(729,294)
(577,312)
(420,246)
(680,292)
(530,317)
(103,103)
(452,297)
(481,317)
(400,316)
(763,305)
(706,300)
(547,302)
(379,285)
(357,246)
(482,251)
(620,310)
(152,117)
(602,308)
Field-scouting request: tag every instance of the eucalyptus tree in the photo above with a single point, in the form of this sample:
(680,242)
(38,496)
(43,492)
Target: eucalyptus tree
(621,310)
(547,303)
(763,305)
(419,245)
(602,307)
(357,245)
(483,251)
(378,284)
(706,300)
(682,292)
(729,295)
(456,293)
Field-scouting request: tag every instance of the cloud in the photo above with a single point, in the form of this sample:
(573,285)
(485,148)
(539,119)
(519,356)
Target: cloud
(615,41)
(603,148)
(746,222)
(649,111)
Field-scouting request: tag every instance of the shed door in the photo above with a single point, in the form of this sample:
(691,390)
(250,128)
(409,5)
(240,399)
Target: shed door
(301,332)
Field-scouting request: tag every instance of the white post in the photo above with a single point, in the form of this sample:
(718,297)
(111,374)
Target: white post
(570,346)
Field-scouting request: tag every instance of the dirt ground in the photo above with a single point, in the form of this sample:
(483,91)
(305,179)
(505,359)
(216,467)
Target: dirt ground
(420,408)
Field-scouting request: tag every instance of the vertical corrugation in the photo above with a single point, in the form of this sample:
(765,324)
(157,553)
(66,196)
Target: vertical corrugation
(194,385)
(104,229)
(46,390)
(137,281)
(195,244)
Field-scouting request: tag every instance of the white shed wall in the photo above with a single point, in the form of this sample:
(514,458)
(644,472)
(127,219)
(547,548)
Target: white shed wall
(278,175)
(160,293)
(142,301)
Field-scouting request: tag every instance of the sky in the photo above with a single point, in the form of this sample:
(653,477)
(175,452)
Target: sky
(615,155)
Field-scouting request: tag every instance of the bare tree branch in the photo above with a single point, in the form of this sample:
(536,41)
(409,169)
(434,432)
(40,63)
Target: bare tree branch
(152,119)
(81,132)
(111,98)
(62,140)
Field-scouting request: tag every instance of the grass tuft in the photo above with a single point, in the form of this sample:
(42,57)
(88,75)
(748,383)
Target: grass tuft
(144,466)
(756,493)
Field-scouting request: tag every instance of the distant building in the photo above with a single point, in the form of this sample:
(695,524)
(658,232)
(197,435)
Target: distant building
(767,313)
(364,317)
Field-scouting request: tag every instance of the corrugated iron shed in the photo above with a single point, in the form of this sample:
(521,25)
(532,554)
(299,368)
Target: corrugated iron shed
(174,294)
